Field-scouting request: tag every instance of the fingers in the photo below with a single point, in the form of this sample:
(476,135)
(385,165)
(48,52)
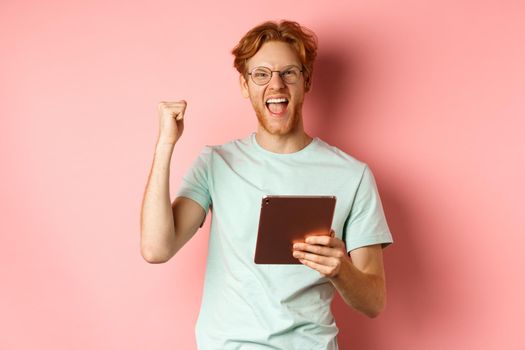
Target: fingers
(319,250)
(175,109)
(330,241)
(327,260)
(326,270)
(327,266)
(326,254)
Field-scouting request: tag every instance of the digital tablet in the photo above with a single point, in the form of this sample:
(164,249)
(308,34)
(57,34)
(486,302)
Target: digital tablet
(285,220)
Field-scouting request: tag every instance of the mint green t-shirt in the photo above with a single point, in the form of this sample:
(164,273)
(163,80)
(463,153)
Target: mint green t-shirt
(248,306)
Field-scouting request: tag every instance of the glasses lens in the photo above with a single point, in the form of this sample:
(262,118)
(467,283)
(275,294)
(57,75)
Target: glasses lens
(261,75)
(290,75)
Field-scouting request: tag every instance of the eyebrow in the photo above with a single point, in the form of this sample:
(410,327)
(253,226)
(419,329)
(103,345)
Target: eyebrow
(284,67)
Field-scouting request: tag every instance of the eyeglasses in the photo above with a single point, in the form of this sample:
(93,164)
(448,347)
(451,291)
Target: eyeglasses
(263,75)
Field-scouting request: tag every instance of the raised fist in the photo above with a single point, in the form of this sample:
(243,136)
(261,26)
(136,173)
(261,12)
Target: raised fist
(171,121)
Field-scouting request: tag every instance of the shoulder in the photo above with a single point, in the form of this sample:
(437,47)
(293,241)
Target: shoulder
(229,148)
(340,157)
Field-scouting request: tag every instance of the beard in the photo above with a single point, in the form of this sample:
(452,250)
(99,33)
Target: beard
(278,127)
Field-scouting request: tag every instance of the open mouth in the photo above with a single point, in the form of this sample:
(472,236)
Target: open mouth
(277,105)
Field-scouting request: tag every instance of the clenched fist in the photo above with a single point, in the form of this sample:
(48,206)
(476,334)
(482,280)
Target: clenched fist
(171,121)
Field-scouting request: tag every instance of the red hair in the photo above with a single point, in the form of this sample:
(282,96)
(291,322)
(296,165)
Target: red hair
(302,40)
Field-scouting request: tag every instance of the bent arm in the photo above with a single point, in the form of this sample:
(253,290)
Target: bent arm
(361,282)
(165,226)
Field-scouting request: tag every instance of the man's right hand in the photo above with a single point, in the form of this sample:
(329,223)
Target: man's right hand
(171,121)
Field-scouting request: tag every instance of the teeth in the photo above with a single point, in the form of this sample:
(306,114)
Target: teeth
(277,100)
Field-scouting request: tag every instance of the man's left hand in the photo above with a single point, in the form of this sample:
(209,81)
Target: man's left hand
(325,254)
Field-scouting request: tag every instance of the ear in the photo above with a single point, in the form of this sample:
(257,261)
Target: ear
(244,86)
(308,83)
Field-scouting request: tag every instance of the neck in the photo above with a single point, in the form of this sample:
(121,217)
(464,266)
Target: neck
(289,143)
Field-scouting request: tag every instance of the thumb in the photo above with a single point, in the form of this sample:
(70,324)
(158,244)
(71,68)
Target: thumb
(184,104)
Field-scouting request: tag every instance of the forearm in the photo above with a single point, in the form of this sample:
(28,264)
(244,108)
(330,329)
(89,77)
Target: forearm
(364,292)
(157,225)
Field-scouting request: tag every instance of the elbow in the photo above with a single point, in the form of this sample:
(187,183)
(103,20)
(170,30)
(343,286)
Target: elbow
(373,313)
(376,309)
(153,259)
(378,302)
(153,256)
(155,250)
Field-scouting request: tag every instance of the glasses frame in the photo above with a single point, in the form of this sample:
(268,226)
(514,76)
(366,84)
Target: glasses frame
(281,72)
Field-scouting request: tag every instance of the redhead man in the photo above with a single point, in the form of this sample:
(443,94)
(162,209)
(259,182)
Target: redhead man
(247,305)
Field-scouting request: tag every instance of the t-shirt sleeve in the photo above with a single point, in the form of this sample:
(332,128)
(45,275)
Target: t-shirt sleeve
(366,224)
(195,183)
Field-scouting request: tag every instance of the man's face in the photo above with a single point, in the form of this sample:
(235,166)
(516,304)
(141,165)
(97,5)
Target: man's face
(275,118)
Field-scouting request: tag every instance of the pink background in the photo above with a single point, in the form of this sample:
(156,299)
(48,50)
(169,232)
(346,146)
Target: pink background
(430,94)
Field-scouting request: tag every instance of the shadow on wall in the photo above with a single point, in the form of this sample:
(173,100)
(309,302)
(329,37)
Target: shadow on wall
(405,277)
(334,98)
(329,87)
(336,82)
(416,300)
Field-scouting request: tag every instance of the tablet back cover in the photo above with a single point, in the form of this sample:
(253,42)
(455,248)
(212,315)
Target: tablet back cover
(285,220)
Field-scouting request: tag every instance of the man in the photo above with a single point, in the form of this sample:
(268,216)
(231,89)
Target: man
(250,306)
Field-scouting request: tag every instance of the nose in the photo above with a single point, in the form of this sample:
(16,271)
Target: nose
(276,82)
